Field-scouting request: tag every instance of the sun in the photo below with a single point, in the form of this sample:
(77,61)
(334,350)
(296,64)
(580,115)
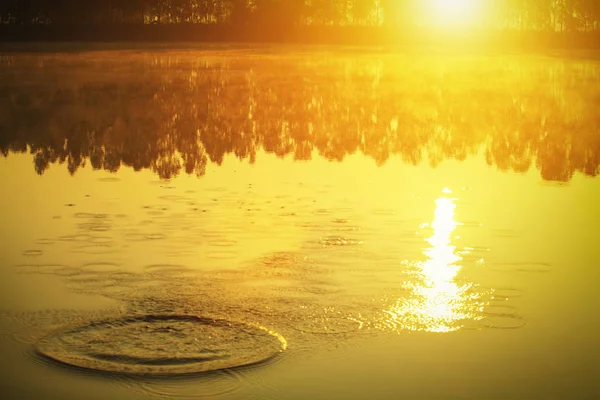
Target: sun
(453,13)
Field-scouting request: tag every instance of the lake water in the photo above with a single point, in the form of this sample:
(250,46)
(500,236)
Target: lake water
(267,222)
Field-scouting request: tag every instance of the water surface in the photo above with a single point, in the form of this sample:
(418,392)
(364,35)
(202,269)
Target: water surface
(335,223)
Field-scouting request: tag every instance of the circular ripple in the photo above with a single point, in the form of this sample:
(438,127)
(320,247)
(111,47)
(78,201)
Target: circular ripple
(140,237)
(501,310)
(33,253)
(94,226)
(161,345)
(86,215)
(76,238)
(100,267)
(339,241)
(155,213)
(322,211)
(503,322)
(212,234)
(503,294)
(45,241)
(90,281)
(157,207)
(209,386)
(168,270)
(101,240)
(223,243)
(341,221)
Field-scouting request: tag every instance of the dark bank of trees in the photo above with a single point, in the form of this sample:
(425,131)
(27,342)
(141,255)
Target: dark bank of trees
(538,15)
(176,113)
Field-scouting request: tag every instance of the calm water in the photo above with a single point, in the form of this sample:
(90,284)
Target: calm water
(299,223)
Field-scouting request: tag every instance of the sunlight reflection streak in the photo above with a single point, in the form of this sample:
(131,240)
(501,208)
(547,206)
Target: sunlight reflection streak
(437,303)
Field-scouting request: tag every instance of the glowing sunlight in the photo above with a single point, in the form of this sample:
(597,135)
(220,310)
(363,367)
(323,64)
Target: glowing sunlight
(436,302)
(453,13)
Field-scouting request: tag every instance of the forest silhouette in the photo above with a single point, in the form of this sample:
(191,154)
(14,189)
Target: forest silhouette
(175,112)
(534,22)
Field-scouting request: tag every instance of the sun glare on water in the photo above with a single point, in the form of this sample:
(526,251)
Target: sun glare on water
(453,13)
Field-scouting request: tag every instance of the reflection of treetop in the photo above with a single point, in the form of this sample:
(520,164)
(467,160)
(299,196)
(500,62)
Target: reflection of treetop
(175,111)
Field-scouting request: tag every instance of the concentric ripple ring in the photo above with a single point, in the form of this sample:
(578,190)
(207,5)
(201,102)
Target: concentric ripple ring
(161,345)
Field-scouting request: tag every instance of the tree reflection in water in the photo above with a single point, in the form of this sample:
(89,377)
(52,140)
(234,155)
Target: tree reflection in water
(175,111)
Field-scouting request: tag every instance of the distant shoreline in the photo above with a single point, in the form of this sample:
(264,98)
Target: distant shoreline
(359,36)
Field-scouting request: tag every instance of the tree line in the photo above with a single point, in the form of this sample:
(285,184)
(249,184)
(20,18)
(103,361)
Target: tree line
(520,15)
